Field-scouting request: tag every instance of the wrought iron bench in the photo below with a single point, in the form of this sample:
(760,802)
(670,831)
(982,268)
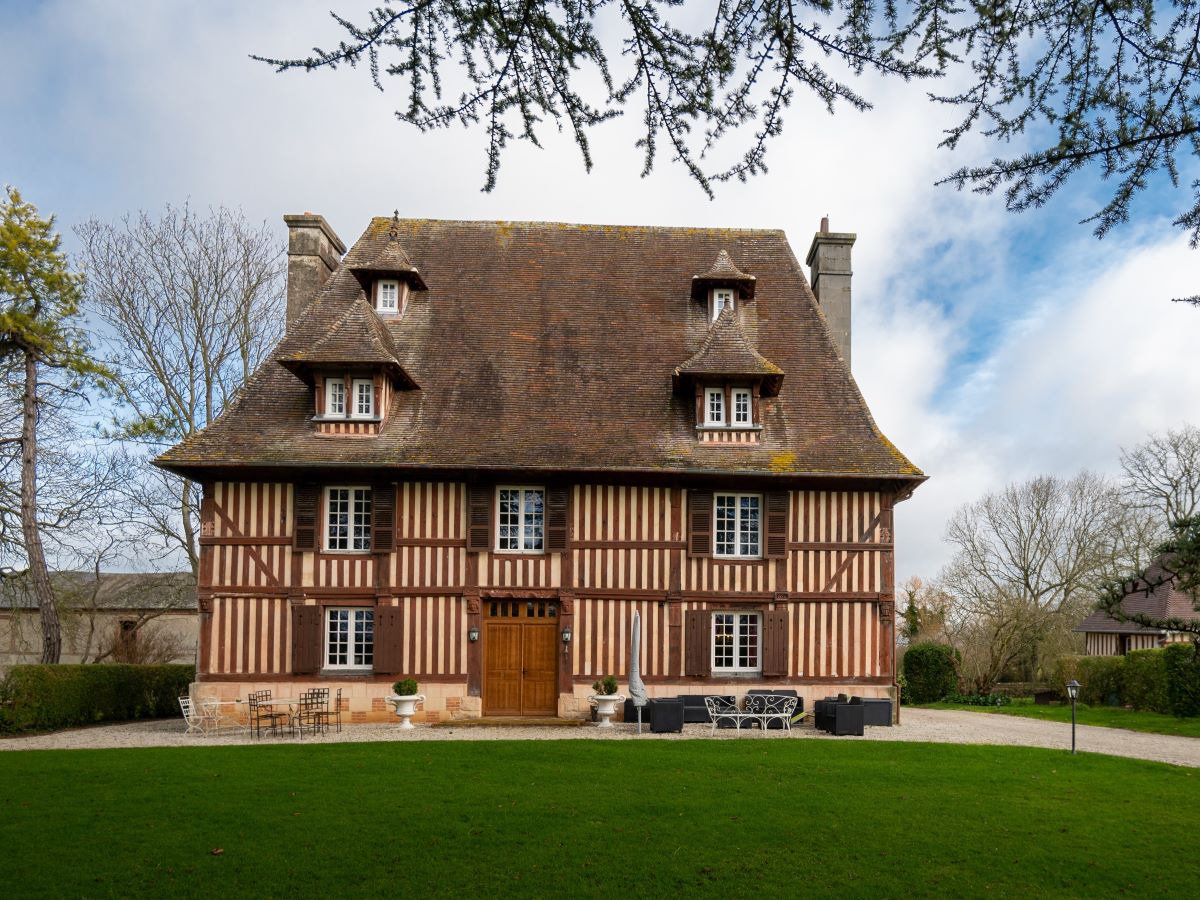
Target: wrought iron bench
(761,708)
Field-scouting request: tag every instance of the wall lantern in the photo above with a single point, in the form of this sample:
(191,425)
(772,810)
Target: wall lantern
(473,635)
(566,635)
(1073,692)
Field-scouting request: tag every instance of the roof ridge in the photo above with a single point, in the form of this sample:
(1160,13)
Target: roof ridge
(582,226)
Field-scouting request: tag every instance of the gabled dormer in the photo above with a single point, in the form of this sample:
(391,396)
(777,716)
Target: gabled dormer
(728,379)
(388,277)
(722,287)
(352,370)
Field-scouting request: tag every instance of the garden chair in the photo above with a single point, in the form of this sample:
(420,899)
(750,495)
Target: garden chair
(314,711)
(335,714)
(261,714)
(196,721)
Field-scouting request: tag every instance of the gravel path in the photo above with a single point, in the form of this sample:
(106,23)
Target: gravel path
(935,725)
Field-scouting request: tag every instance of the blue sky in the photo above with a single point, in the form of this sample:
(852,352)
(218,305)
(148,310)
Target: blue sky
(991,347)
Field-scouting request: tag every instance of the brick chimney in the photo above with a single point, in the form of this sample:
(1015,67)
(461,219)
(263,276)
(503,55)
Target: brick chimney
(314,252)
(829,264)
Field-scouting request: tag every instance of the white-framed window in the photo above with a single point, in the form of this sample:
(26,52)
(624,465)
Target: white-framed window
(520,519)
(735,643)
(388,297)
(348,519)
(349,638)
(743,407)
(335,397)
(738,518)
(721,298)
(364,398)
(714,406)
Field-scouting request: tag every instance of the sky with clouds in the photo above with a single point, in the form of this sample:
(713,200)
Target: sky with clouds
(990,347)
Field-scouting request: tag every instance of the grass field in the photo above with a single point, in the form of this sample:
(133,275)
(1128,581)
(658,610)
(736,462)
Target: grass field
(1106,716)
(727,818)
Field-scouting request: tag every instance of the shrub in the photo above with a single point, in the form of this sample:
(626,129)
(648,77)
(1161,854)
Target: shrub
(44,698)
(1182,664)
(1144,684)
(406,687)
(1102,680)
(930,672)
(606,686)
(981,699)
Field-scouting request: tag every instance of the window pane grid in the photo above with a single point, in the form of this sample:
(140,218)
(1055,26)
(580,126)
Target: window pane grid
(737,531)
(715,407)
(350,638)
(741,407)
(736,642)
(335,398)
(348,519)
(364,398)
(520,519)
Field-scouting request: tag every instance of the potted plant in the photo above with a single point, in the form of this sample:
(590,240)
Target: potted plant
(405,700)
(606,699)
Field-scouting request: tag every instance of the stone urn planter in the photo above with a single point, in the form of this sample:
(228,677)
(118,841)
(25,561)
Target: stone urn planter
(405,700)
(606,699)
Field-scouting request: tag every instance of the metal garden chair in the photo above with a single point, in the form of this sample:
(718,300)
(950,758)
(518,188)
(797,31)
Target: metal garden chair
(261,714)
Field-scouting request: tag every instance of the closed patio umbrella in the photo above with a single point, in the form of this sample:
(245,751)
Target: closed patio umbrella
(637,689)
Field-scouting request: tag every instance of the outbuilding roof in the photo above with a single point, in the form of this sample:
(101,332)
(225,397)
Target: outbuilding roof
(1155,597)
(551,347)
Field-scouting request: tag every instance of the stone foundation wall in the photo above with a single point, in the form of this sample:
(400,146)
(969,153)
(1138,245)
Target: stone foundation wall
(361,702)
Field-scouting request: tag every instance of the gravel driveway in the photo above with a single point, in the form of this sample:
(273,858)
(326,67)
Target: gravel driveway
(935,725)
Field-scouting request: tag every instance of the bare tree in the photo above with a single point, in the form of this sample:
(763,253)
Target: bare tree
(1162,475)
(191,305)
(1029,561)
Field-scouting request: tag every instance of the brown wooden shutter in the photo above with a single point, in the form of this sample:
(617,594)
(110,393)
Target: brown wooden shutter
(697,643)
(389,639)
(383,518)
(304,516)
(776,530)
(306,640)
(700,523)
(557,527)
(775,643)
(479,517)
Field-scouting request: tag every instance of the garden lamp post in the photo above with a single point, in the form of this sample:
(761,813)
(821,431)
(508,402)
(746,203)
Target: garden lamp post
(1073,693)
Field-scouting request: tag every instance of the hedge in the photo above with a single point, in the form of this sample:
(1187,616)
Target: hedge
(1165,681)
(1182,665)
(1144,684)
(45,698)
(930,672)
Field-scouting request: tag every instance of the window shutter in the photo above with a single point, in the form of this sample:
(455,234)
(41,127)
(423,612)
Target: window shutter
(304,515)
(775,643)
(389,639)
(383,518)
(306,640)
(697,643)
(700,523)
(556,520)
(776,530)
(479,517)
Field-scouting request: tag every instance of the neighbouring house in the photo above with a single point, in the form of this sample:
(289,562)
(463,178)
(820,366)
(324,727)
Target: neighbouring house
(1154,597)
(114,617)
(482,445)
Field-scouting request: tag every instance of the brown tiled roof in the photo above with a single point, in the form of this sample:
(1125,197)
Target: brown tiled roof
(392,259)
(726,351)
(723,273)
(553,347)
(1155,597)
(359,337)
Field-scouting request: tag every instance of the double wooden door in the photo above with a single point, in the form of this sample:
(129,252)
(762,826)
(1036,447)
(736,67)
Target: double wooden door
(520,653)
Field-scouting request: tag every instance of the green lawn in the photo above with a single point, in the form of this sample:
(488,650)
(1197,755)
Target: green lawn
(1107,716)
(723,818)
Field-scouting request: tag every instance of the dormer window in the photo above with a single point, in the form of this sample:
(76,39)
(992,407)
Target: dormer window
(335,397)
(714,406)
(743,406)
(722,298)
(364,399)
(388,297)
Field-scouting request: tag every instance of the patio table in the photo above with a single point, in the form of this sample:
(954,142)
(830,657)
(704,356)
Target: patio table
(210,716)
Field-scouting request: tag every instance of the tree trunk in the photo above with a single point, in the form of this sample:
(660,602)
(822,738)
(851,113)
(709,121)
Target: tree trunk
(43,592)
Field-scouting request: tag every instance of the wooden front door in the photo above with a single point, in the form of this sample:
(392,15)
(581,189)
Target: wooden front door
(520,658)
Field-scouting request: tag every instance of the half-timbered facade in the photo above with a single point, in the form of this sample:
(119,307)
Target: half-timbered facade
(482,446)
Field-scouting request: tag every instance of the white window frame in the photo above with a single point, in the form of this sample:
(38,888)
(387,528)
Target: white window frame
(358,536)
(741,545)
(529,541)
(722,297)
(738,626)
(355,384)
(735,418)
(397,298)
(331,384)
(709,394)
(359,651)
